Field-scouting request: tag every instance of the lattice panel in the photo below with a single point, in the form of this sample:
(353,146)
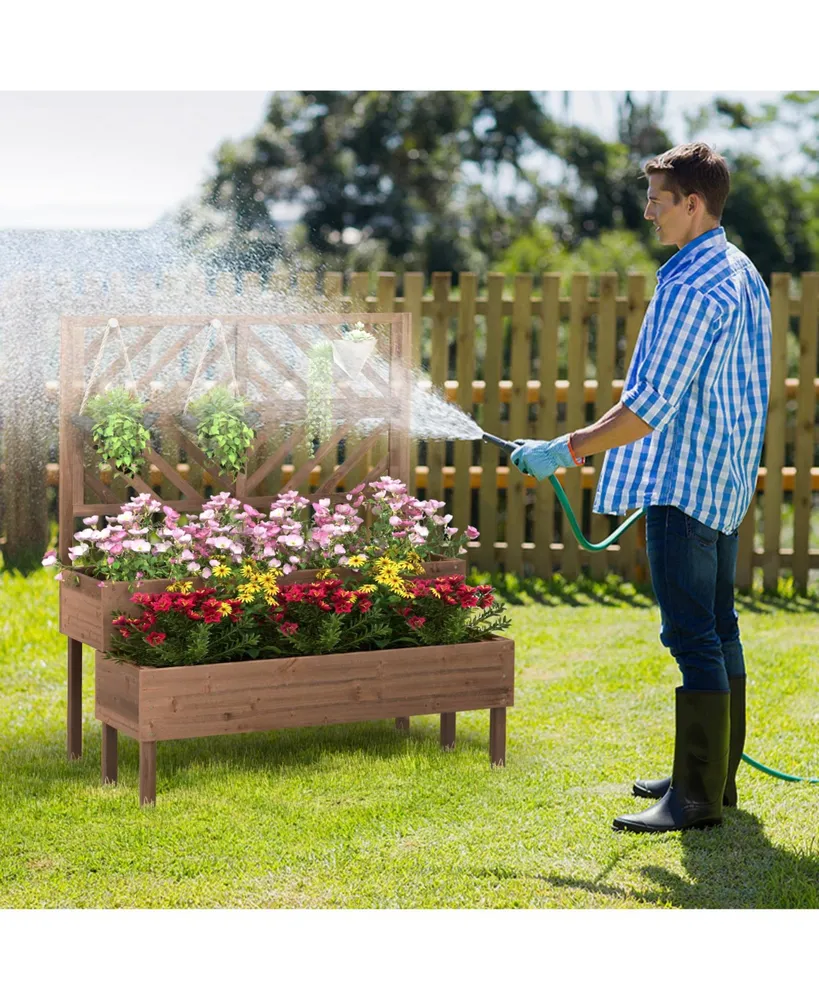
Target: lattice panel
(169,359)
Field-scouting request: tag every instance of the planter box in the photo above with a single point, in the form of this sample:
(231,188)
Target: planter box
(86,609)
(168,703)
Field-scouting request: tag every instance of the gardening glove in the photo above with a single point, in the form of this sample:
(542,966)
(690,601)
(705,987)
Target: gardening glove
(542,458)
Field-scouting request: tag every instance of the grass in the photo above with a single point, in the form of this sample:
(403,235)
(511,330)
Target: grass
(365,816)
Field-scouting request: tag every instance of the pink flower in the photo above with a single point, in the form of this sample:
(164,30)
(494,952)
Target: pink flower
(50,558)
(472,533)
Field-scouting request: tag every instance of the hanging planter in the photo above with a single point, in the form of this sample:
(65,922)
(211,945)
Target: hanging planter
(354,350)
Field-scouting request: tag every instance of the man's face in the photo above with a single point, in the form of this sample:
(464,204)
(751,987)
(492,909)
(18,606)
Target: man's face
(671,222)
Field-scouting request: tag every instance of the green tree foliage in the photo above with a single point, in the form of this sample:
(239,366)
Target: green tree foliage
(477,180)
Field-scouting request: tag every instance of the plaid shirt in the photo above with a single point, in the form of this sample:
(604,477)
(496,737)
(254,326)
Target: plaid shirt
(700,377)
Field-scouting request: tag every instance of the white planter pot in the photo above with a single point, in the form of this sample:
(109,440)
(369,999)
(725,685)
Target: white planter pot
(352,355)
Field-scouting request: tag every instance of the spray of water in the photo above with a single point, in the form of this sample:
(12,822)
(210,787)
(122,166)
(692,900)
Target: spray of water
(44,275)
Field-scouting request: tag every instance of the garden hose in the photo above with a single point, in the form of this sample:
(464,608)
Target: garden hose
(509,447)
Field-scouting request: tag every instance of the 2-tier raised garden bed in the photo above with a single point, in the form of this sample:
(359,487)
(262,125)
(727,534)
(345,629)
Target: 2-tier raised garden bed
(152,704)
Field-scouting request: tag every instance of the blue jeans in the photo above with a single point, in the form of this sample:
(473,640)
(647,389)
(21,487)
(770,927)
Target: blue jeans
(692,572)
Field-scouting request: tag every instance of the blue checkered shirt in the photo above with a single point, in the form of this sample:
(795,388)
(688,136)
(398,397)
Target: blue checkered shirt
(700,377)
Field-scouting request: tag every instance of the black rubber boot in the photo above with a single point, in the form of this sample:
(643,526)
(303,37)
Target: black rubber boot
(647,788)
(694,797)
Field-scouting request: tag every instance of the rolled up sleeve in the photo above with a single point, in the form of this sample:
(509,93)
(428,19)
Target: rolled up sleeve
(680,329)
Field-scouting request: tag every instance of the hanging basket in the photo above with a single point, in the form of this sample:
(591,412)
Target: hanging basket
(352,355)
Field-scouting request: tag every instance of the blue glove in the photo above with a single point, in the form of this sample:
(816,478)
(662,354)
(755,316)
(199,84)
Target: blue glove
(541,459)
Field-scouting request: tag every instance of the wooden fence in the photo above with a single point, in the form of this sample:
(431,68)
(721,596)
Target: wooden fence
(528,361)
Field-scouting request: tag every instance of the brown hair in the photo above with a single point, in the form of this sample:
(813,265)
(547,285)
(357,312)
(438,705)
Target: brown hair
(694,168)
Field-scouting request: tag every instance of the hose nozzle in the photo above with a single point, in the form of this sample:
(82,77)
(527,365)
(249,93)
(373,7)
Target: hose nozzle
(502,443)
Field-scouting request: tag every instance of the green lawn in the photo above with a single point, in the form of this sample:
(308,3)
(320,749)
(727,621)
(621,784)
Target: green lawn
(364,816)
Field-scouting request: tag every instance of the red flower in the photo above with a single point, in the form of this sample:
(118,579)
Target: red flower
(155,638)
(288,628)
(194,616)
(119,622)
(416,622)
(364,605)
(164,602)
(211,616)
(124,633)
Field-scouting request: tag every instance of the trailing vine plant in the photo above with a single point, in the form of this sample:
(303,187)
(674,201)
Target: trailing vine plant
(221,430)
(117,432)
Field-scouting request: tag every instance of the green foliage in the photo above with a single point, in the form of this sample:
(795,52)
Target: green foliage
(471,180)
(117,432)
(221,430)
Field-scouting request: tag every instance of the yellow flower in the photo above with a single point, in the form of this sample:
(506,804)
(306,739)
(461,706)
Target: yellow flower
(225,608)
(179,587)
(248,569)
(221,570)
(357,561)
(173,588)
(368,588)
(271,599)
(246,592)
(269,579)
(323,574)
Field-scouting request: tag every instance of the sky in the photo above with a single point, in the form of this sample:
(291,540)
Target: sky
(121,159)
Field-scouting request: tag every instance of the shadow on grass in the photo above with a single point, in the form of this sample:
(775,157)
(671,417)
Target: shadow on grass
(733,866)
(33,767)
(614,591)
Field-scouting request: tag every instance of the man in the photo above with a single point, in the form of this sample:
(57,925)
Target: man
(685,441)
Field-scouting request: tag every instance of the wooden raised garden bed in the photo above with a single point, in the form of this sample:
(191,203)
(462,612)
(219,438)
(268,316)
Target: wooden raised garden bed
(166,703)
(86,609)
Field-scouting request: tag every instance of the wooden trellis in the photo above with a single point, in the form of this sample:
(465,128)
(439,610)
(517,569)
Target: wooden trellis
(383,451)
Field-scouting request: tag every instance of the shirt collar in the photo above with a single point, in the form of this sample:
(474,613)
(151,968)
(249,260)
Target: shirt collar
(714,237)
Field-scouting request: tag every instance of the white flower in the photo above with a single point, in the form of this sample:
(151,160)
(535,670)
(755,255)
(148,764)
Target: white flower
(140,545)
(220,542)
(91,520)
(293,541)
(50,558)
(186,555)
(77,550)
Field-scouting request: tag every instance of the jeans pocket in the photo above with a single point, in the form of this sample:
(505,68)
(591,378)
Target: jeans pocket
(701,533)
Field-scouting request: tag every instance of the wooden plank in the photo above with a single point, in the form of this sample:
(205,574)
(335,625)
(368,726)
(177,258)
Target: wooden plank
(385,302)
(744,574)
(438,363)
(448,730)
(488,496)
(805,423)
(413,295)
(497,736)
(359,286)
(400,398)
(775,432)
(599,563)
(630,541)
(147,772)
(465,361)
(333,284)
(300,476)
(353,461)
(74,700)
(273,461)
(518,419)
(199,456)
(575,416)
(546,422)
(109,754)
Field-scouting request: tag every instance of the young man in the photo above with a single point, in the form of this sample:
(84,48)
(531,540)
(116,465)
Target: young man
(685,441)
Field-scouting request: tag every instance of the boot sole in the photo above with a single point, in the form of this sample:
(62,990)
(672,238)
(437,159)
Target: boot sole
(702,824)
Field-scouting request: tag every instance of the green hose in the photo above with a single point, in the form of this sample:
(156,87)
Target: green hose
(583,542)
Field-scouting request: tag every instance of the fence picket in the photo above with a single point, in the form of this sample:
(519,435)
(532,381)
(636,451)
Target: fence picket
(436,449)
(465,359)
(606,357)
(413,296)
(488,495)
(546,421)
(805,423)
(518,418)
(575,415)
(775,431)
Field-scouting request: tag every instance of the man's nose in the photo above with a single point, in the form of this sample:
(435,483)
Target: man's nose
(647,213)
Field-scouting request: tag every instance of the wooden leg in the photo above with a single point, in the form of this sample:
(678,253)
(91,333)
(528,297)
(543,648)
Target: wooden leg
(448,730)
(147,773)
(109,755)
(74,699)
(497,736)
(402,723)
